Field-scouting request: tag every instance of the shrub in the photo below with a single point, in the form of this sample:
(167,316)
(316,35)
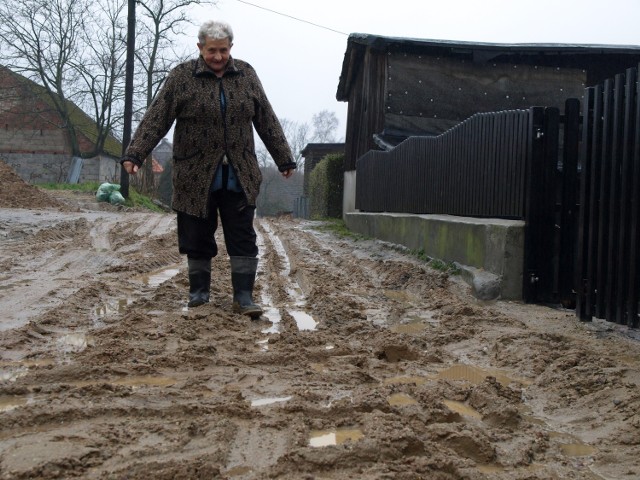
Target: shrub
(326,184)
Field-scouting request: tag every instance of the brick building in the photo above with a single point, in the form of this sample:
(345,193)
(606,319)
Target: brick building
(34,142)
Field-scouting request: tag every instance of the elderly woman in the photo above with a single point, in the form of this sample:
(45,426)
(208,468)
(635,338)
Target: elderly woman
(215,101)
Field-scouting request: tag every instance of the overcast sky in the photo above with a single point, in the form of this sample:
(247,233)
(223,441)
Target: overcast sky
(299,59)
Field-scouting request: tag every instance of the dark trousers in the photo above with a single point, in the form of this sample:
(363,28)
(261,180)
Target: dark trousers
(196,236)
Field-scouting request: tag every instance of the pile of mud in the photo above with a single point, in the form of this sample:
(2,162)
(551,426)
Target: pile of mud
(16,193)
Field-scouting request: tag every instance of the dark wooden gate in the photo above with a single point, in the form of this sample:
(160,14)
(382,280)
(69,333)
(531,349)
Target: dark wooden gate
(608,230)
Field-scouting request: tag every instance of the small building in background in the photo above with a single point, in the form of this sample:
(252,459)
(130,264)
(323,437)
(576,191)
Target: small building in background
(312,153)
(163,153)
(34,142)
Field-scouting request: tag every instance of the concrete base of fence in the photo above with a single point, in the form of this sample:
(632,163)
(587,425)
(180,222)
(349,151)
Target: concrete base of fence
(490,252)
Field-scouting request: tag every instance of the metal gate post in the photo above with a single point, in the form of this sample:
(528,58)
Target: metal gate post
(540,205)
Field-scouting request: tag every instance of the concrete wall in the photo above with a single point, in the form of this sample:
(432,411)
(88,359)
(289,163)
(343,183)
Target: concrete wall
(349,193)
(54,168)
(490,252)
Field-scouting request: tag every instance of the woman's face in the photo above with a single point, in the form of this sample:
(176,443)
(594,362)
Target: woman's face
(216,54)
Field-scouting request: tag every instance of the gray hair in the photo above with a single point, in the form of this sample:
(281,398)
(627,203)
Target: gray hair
(215,30)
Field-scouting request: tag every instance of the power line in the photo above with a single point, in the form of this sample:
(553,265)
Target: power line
(293,18)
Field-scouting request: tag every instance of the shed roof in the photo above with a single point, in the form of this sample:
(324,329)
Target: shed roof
(357,44)
(322,148)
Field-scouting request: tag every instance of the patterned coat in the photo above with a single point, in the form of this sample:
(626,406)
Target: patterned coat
(191,97)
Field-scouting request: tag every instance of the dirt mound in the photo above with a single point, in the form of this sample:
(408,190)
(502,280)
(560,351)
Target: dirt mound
(16,193)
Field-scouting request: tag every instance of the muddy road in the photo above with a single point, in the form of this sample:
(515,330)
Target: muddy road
(367,364)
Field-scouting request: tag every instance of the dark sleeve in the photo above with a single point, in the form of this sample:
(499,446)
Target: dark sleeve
(156,122)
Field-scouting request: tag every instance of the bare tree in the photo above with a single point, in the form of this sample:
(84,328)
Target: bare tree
(161,21)
(41,40)
(325,124)
(102,71)
(74,50)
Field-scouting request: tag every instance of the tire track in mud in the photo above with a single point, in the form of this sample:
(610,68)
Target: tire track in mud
(290,298)
(61,263)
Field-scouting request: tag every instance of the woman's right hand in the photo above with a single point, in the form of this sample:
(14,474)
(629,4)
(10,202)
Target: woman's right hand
(130,167)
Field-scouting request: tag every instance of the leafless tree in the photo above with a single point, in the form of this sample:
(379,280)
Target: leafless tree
(160,22)
(325,124)
(101,94)
(74,50)
(41,40)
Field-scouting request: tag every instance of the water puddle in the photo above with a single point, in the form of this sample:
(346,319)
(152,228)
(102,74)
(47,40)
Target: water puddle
(304,321)
(400,400)
(462,409)
(577,449)
(318,367)
(263,344)
(12,375)
(411,328)
(398,295)
(405,380)
(272,314)
(491,468)
(326,438)
(269,401)
(74,342)
(157,278)
(135,382)
(571,446)
(43,362)
(112,307)
(11,402)
(238,471)
(476,375)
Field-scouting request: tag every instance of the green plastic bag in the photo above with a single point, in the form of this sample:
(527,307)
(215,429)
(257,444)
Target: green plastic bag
(116,198)
(109,192)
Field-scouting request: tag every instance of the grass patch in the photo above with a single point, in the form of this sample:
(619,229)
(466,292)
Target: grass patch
(338,228)
(138,200)
(79,187)
(435,263)
(447,267)
(135,199)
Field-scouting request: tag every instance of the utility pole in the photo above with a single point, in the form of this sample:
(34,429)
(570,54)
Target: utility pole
(128,92)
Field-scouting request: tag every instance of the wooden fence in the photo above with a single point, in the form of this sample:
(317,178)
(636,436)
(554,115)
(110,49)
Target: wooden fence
(573,177)
(608,231)
(477,168)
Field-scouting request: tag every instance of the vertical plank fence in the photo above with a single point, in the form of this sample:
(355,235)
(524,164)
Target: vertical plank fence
(477,168)
(608,231)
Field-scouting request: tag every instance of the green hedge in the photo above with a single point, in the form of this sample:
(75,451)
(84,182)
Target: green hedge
(326,184)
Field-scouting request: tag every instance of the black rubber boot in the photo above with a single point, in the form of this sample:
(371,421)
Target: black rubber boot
(243,277)
(199,281)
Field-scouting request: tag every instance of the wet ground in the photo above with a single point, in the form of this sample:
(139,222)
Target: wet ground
(367,364)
